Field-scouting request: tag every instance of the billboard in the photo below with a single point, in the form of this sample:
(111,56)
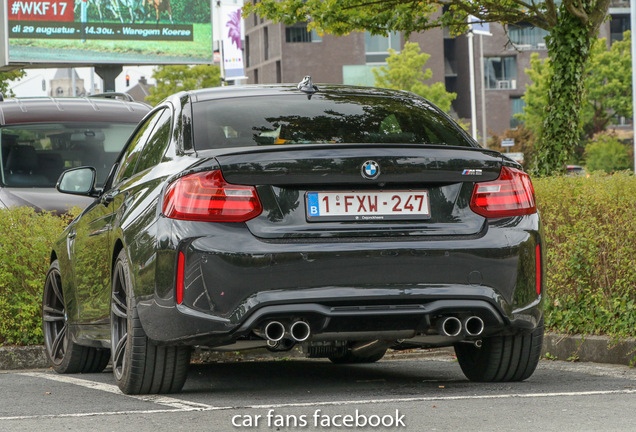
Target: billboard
(232,35)
(92,32)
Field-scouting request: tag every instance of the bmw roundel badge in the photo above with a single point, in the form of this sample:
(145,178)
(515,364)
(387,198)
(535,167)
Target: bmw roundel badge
(370,170)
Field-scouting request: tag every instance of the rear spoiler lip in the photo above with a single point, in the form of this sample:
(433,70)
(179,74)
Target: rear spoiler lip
(319,165)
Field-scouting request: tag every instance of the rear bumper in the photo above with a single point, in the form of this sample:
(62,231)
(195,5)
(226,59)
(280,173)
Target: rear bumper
(182,325)
(236,282)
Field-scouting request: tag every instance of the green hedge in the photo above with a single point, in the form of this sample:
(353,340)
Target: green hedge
(25,247)
(590,227)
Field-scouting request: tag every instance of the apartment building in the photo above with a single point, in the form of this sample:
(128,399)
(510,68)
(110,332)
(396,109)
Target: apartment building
(276,53)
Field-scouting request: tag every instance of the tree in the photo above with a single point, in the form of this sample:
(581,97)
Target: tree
(609,89)
(173,79)
(536,95)
(524,143)
(608,92)
(5,77)
(607,154)
(572,26)
(404,72)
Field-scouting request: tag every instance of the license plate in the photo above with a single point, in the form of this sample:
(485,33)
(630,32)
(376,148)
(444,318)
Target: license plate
(368,206)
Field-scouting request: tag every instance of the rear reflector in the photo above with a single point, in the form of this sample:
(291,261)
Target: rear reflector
(538,255)
(180,275)
(511,194)
(206,196)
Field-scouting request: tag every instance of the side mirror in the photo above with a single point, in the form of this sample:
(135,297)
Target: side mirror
(78,181)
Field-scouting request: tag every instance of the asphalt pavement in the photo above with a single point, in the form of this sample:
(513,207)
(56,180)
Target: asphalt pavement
(427,392)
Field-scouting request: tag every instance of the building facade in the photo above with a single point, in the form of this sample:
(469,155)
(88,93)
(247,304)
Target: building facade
(276,53)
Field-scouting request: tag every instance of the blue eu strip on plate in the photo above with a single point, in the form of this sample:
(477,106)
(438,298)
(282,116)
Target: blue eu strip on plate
(312,202)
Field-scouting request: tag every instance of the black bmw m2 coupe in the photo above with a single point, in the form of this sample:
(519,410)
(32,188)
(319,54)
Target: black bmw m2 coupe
(343,220)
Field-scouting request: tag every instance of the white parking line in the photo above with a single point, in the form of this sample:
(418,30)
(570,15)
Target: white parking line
(109,413)
(442,398)
(179,405)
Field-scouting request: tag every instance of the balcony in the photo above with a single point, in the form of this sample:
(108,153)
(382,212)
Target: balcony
(526,37)
(619,4)
(510,84)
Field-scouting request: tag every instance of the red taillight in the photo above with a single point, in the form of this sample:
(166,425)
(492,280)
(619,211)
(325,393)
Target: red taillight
(538,258)
(206,196)
(180,275)
(511,194)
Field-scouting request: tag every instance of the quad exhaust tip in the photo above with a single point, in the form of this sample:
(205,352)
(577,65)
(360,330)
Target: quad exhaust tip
(274,331)
(300,331)
(473,326)
(449,326)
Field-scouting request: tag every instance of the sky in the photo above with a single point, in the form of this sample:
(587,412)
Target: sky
(31,84)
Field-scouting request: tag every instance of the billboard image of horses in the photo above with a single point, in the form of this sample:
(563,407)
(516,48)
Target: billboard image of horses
(109,31)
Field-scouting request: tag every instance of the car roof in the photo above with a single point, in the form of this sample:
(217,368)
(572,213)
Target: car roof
(281,89)
(50,110)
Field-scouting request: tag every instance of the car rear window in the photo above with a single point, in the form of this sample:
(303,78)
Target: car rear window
(321,119)
(34,155)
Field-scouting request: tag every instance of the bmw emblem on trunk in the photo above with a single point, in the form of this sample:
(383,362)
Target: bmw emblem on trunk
(370,170)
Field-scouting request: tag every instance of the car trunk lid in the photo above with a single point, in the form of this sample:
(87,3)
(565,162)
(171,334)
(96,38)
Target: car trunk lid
(284,177)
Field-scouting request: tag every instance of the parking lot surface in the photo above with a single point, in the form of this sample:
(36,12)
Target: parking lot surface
(422,394)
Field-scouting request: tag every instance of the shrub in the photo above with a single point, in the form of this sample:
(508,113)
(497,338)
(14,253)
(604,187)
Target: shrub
(607,154)
(524,143)
(591,250)
(590,231)
(26,238)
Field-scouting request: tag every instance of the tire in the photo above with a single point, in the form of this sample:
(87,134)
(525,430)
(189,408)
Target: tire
(65,356)
(502,358)
(350,358)
(140,366)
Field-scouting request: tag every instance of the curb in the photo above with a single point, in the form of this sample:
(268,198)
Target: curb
(23,357)
(594,349)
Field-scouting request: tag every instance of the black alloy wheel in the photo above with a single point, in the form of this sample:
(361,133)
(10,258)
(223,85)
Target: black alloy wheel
(54,323)
(152,369)
(502,358)
(119,321)
(65,356)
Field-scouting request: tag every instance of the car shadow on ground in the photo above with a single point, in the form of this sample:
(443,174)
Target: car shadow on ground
(268,381)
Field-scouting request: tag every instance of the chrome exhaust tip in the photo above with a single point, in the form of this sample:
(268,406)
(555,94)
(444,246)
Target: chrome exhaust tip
(300,331)
(449,326)
(274,331)
(473,326)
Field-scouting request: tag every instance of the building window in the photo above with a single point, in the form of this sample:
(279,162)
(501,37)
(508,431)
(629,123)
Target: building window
(298,33)
(247,51)
(516,107)
(526,36)
(266,43)
(255,76)
(279,72)
(377,47)
(255,16)
(619,25)
(500,73)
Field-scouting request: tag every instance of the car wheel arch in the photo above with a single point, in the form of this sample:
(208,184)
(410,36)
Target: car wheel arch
(119,245)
